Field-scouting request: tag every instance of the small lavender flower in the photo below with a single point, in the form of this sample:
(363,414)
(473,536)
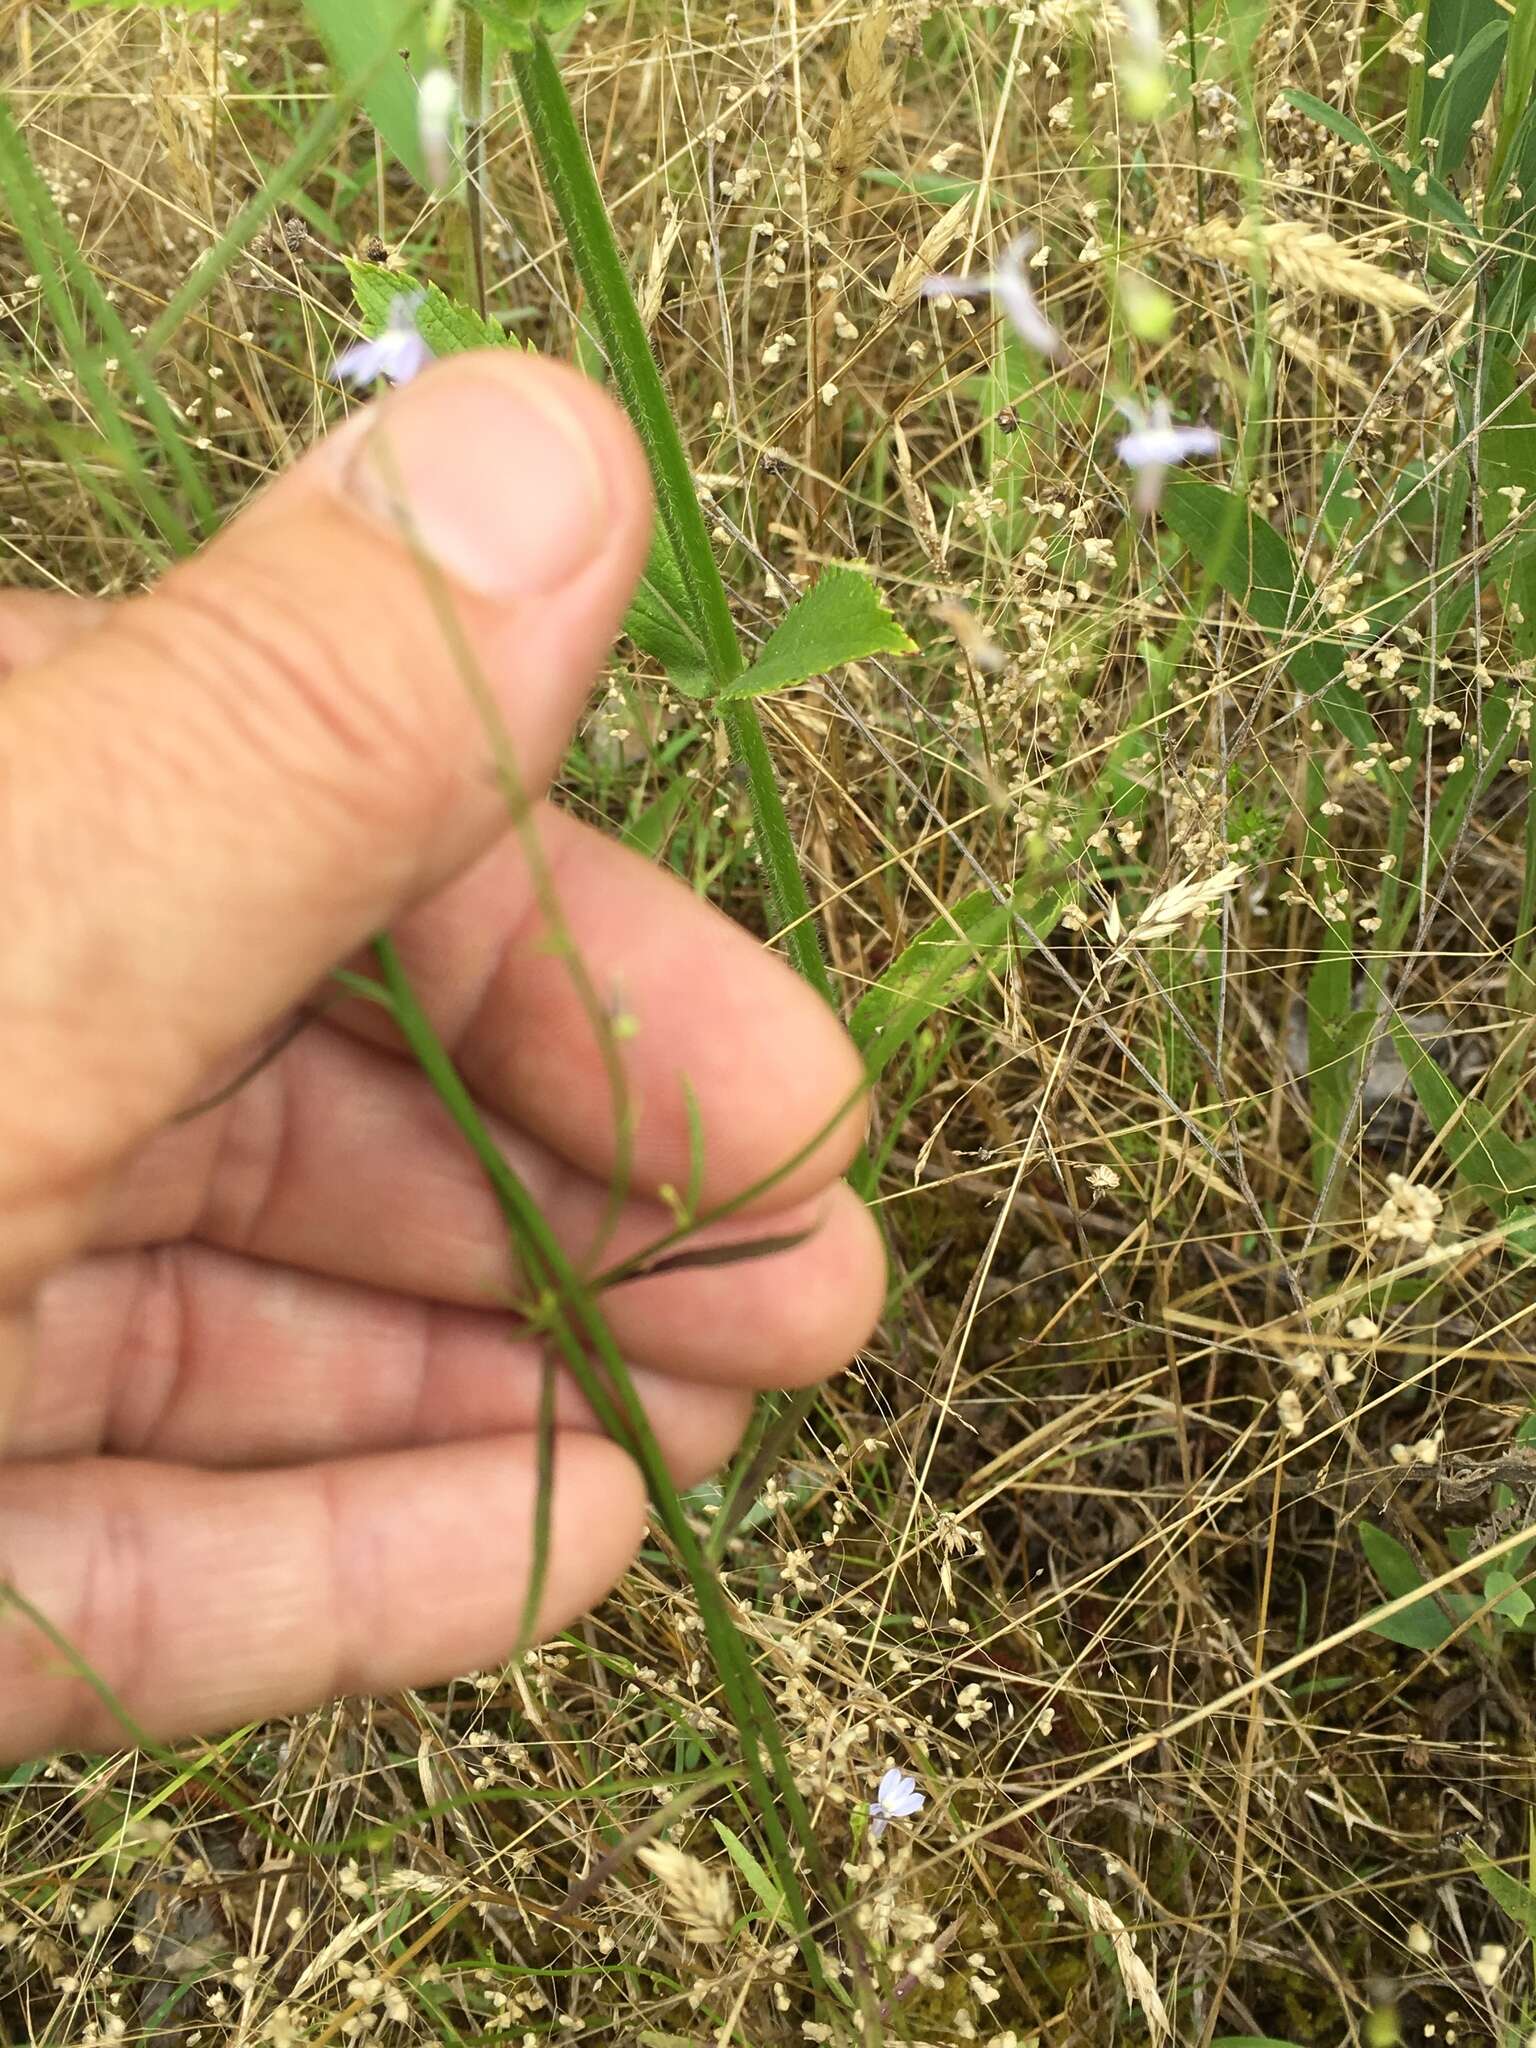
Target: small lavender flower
(399,353)
(1009,284)
(896,1798)
(1155,444)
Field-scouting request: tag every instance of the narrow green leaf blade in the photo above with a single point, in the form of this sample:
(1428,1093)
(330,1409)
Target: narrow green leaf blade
(1402,181)
(941,966)
(657,620)
(1487,1162)
(365,38)
(841,618)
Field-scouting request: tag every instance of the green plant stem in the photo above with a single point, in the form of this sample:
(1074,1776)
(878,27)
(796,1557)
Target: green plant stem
(575,1325)
(567,171)
(472,103)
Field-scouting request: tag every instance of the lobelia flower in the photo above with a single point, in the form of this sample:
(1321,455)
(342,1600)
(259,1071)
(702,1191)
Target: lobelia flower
(896,1798)
(1155,444)
(1009,284)
(398,354)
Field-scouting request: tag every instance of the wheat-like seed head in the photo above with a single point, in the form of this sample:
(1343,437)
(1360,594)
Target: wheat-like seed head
(1308,259)
(701,1899)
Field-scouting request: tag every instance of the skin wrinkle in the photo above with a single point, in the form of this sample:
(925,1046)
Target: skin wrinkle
(246,716)
(259,1127)
(114,1613)
(313,671)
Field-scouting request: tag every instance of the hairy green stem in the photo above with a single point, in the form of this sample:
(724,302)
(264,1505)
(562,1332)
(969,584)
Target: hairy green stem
(567,170)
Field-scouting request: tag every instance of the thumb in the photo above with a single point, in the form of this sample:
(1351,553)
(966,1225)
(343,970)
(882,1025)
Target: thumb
(230,783)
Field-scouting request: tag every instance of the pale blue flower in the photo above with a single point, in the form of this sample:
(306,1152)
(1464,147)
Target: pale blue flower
(1155,444)
(1009,284)
(896,1798)
(398,354)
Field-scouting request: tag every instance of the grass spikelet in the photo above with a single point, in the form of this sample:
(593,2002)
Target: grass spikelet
(864,107)
(700,1899)
(1308,259)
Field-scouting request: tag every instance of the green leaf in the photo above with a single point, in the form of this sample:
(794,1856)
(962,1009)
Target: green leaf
(657,621)
(365,38)
(1507,460)
(942,965)
(1402,181)
(1491,1165)
(1515,99)
(1508,1893)
(515,20)
(1512,1602)
(443,324)
(1251,2041)
(1422,1626)
(1466,94)
(1336,1030)
(840,618)
(649,833)
(1457,29)
(1253,565)
(767,1891)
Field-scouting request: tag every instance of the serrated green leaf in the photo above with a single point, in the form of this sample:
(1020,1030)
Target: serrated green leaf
(657,621)
(1422,1626)
(443,324)
(1253,565)
(840,618)
(365,38)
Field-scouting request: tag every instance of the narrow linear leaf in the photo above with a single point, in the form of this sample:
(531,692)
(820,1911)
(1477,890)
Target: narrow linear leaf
(365,38)
(1402,181)
(841,618)
(752,1870)
(1251,2041)
(942,965)
(1466,94)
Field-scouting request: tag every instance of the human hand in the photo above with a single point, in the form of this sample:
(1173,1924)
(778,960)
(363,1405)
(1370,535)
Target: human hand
(268,1435)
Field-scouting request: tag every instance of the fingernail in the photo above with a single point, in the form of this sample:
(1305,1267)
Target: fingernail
(490,476)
